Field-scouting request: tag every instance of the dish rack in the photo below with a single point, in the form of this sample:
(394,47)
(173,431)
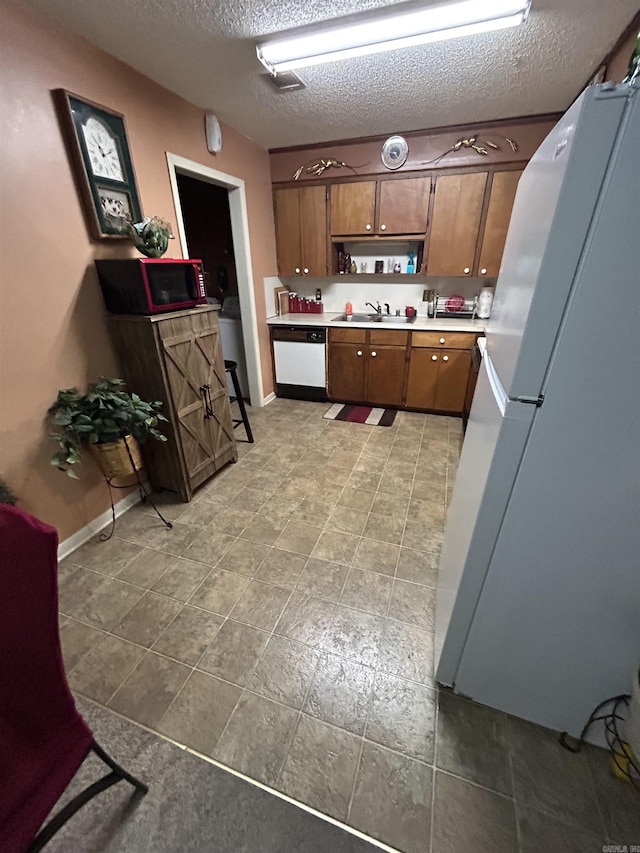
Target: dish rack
(468,311)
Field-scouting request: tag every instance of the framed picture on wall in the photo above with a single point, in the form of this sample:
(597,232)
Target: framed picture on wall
(97,141)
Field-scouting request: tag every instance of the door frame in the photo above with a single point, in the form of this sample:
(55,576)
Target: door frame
(242,251)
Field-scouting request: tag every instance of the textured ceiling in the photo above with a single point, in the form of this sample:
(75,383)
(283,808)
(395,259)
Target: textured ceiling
(205,51)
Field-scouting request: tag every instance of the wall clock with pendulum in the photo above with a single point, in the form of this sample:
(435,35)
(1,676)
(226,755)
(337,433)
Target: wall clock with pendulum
(99,149)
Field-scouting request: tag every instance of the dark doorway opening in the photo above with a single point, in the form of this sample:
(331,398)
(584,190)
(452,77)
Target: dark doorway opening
(207,224)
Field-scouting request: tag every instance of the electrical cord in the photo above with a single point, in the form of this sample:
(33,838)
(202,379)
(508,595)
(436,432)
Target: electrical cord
(626,763)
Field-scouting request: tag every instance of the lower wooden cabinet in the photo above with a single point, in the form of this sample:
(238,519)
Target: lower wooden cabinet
(346,371)
(177,358)
(367,366)
(438,379)
(417,370)
(386,365)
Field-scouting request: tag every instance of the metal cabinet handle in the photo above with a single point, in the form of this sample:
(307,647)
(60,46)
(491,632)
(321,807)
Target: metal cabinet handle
(467,270)
(483,272)
(383,227)
(297,270)
(434,358)
(305,270)
(441,340)
(367,227)
(445,358)
(205,393)
(373,354)
(359,353)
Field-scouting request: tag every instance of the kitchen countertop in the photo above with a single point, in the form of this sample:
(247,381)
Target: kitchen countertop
(421,324)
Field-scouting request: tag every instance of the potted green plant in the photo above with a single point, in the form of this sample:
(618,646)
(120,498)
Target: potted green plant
(107,420)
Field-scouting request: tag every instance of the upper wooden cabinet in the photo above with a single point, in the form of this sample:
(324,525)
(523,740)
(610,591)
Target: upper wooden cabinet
(403,206)
(455,223)
(301,230)
(380,208)
(353,208)
(501,198)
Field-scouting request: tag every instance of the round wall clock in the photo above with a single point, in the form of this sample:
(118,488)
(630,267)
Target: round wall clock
(99,149)
(394,152)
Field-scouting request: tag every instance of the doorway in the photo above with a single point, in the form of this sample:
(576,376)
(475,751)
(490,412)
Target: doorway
(212,225)
(207,224)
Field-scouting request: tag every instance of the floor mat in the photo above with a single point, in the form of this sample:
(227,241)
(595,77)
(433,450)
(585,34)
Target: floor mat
(361,415)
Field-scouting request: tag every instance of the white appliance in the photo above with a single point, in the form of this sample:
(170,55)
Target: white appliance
(300,359)
(538,606)
(233,349)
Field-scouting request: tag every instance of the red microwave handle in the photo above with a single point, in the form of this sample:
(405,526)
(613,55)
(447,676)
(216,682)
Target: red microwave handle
(199,274)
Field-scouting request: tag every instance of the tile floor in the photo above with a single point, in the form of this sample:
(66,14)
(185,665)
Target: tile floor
(285,628)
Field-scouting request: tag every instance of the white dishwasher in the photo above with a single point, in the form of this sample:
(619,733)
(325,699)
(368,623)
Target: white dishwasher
(300,359)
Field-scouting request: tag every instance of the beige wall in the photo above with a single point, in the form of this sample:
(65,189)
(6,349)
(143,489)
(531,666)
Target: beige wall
(53,330)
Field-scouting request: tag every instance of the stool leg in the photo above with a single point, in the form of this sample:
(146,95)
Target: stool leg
(240,399)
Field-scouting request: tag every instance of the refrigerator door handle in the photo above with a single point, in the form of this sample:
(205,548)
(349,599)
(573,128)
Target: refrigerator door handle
(496,386)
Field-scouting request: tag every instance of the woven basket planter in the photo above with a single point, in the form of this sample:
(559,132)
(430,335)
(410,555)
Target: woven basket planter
(113,457)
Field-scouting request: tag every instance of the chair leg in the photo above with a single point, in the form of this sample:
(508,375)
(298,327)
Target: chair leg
(117,774)
(243,412)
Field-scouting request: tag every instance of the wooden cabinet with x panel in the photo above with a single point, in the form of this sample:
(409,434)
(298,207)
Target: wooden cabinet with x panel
(177,358)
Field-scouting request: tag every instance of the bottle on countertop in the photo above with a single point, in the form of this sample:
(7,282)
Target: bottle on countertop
(485,300)
(348,309)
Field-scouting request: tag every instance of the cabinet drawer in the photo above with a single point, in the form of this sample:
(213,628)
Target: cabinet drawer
(389,337)
(350,336)
(451,340)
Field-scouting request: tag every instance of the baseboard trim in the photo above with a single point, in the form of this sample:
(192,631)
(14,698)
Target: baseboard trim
(85,533)
(269,398)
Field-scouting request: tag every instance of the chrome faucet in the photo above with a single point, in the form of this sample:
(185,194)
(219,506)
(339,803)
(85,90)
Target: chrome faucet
(377,308)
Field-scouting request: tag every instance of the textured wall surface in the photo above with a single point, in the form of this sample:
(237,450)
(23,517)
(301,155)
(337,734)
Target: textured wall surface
(53,327)
(205,51)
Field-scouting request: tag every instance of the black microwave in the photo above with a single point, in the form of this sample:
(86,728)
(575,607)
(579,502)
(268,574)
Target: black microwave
(151,285)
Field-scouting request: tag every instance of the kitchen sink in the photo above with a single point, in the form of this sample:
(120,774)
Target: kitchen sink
(374,318)
(356,318)
(390,318)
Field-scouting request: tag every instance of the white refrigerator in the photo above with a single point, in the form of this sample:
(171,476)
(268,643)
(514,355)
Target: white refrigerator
(538,602)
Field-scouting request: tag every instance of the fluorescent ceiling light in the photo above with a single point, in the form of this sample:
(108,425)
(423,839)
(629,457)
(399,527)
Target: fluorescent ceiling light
(314,46)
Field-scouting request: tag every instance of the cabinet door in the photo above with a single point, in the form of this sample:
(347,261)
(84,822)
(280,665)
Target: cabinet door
(503,193)
(353,208)
(385,375)
(287,210)
(346,372)
(455,223)
(193,359)
(313,230)
(423,378)
(404,205)
(453,375)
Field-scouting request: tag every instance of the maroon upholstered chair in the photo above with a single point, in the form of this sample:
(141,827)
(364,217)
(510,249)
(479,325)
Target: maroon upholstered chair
(43,738)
